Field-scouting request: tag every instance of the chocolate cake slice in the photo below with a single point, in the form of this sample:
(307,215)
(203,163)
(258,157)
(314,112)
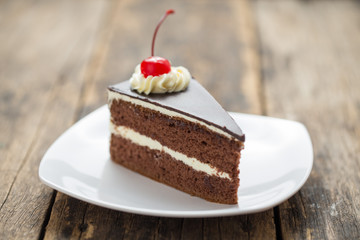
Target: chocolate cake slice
(183,139)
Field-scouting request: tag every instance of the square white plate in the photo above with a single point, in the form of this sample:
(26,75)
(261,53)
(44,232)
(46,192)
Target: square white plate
(276,162)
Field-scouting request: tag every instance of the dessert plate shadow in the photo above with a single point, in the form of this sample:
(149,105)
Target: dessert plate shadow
(276,162)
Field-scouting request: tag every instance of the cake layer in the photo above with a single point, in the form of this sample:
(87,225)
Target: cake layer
(161,167)
(145,141)
(181,135)
(194,102)
(116,96)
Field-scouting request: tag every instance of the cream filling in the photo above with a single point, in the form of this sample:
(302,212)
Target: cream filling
(115,96)
(145,141)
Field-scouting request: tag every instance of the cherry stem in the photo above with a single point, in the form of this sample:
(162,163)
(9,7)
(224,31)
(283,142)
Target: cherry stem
(168,12)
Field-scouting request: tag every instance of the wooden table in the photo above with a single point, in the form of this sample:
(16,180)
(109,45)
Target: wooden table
(298,60)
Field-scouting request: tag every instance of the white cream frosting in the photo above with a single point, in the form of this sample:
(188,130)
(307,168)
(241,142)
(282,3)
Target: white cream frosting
(145,141)
(176,80)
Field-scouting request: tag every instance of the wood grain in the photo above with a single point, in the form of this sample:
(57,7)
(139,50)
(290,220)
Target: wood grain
(311,56)
(41,68)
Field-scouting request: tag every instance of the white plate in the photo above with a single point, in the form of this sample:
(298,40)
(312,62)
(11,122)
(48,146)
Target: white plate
(276,162)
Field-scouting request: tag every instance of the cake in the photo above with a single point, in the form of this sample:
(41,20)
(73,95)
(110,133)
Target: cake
(166,126)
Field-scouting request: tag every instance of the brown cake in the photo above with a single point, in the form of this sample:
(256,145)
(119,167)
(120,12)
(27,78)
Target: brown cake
(166,126)
(185,140)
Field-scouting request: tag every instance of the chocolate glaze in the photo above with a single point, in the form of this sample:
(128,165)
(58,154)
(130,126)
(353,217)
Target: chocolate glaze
(195,102)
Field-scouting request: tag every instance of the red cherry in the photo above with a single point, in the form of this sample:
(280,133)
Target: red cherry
(155,66)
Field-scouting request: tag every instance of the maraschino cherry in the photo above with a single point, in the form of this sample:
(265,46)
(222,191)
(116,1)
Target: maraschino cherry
(156,66)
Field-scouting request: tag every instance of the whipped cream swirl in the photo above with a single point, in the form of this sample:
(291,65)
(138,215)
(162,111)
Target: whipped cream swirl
(175,81)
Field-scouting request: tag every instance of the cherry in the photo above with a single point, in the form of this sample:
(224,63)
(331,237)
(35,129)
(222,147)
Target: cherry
(155,66)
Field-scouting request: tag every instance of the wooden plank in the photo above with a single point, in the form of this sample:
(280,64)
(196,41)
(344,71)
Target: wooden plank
(192,228)
(254,226)
(311,72)
(169,228)
(70,224)
(42,59)
(199,37)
